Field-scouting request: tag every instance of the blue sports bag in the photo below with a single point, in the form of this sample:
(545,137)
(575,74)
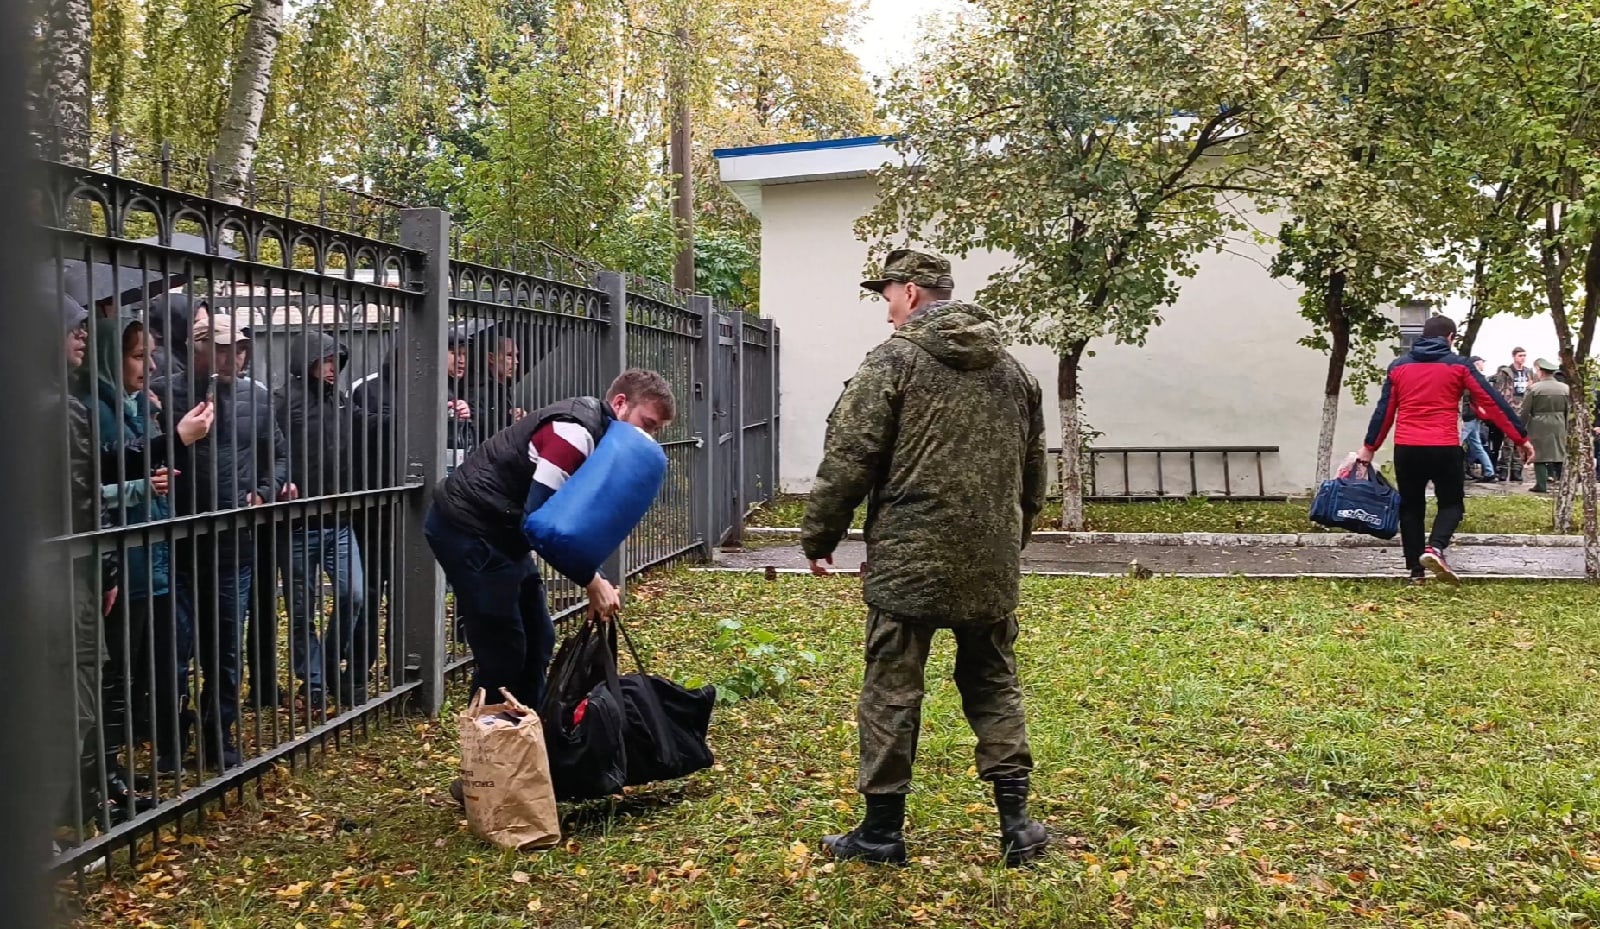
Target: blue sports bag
(591,515)
(1361,501)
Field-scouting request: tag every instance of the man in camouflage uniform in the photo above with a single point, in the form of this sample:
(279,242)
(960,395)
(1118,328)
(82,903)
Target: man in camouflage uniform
(942,431)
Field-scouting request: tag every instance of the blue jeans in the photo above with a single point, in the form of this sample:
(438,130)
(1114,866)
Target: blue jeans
(1472,434)
(315,550)
(500,602)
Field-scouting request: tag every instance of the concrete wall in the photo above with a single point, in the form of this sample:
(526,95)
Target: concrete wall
(1224,368)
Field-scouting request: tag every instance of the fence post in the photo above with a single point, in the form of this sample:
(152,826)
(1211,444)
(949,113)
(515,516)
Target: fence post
(703,482)
(736,424)
(421,592)
(777,408)
(613,361)
(771,375)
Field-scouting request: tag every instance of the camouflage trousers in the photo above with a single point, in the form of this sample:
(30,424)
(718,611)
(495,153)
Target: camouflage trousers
(890,714)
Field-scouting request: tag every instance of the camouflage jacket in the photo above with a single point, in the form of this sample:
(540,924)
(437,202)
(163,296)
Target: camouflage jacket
(942,431)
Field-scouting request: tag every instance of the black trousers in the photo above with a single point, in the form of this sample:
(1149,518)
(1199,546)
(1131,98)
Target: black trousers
(501,601)
(1415,467)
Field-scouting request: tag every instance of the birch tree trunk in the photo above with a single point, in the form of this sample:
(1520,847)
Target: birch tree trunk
(1338,352)
(1583,371)
(1567,493)
(1071,437)
(61,109)
(1583,424)
(247,98)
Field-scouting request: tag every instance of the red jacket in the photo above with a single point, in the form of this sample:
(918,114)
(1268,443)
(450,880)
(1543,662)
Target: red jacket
(1422,399)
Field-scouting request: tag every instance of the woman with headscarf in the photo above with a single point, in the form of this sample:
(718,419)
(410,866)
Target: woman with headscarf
(148,615)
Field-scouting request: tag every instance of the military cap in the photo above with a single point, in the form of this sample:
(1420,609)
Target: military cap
(1545,364)
(912,267)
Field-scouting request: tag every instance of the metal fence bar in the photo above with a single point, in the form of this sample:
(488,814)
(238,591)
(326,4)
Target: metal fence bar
(614,361)
(736,407)
(298,528)
(770,377)
(703,507)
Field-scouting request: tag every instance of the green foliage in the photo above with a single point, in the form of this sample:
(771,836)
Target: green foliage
(1364,289)
(1103,147)
(753,662)
(726,264)
(554,168)
(532,120)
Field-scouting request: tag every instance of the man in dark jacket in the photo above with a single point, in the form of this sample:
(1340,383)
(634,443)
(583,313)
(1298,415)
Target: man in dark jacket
(171,320)
(1512,382)
(238,465)
(1472,433)
(1420,399)
(493,381)
(460,431)
(942,432)
(377,394)
(328,439)
(475,527)
(269,569)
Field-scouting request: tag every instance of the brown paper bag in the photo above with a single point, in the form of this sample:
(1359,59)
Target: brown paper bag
(505,775)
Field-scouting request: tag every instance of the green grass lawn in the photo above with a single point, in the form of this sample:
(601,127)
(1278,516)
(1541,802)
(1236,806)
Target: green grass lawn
(1513,514)
(1210,753)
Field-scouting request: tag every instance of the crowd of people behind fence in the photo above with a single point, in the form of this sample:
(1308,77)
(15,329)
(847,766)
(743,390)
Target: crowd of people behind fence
(170,415)
(1541,396)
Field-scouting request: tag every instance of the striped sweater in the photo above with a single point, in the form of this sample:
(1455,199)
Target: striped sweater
(557,449)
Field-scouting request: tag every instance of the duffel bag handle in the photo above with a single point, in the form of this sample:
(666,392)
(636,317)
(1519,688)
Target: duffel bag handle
(1373,474)
(643,668)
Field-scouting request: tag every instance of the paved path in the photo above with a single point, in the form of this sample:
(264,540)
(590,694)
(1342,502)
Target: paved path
(1049,557)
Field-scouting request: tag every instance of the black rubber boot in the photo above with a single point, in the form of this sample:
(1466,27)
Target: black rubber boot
(880,839)
(1021,839)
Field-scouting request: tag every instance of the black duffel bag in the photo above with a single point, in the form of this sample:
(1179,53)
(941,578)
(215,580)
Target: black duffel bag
(605,731)
(583,716)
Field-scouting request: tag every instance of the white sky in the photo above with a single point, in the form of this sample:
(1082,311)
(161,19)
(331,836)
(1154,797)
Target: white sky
(889,29)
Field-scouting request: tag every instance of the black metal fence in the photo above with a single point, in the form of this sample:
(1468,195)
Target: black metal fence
(255,410)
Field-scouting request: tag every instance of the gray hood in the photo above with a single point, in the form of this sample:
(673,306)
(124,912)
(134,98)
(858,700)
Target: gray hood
(313,346)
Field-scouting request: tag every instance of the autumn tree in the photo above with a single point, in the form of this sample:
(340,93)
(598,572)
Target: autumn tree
(1095,144)
(1363,204)
(240,131)
(555,106)
(1522,101)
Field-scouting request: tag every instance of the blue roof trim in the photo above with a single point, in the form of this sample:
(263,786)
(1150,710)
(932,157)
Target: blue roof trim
(785,147)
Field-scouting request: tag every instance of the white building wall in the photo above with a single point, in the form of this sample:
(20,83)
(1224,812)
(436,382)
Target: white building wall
(1224,368)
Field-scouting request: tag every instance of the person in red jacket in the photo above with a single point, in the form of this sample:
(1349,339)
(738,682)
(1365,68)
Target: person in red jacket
(1421,400)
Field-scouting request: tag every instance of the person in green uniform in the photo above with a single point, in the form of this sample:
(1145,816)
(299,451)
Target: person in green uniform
(941,431)
(1545,409)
